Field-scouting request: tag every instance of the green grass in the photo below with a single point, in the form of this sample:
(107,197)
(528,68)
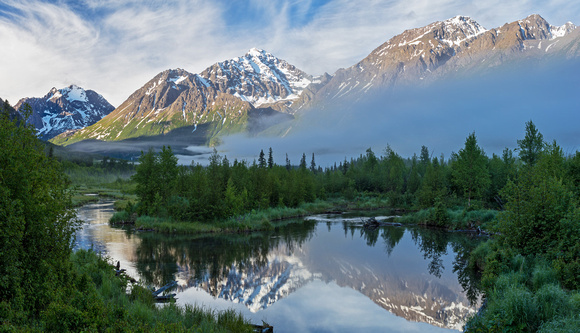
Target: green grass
(527,298)
(97,301)
(457,219)
(255,220)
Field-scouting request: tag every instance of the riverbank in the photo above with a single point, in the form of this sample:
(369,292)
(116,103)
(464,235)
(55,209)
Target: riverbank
(456,219)
(452,219)
(255,220)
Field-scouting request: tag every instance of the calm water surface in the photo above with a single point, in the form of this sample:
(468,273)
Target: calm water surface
(324,275)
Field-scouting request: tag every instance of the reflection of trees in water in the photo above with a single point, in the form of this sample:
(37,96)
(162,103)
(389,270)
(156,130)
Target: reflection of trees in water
(433,244)
(469,277)
(160,257)
(392,236)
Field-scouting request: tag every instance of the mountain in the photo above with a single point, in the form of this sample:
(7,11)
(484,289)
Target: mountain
(258,90)
(260,79)
(65,109)
(448,48)
(228,95)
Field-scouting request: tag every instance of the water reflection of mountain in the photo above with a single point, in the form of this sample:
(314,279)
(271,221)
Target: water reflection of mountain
(409,280)
(401,270)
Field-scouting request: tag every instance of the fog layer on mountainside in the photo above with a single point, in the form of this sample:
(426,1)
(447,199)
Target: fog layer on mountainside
(441,115)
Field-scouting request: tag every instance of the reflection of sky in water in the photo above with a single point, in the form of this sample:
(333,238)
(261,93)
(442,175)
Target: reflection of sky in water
(97,234)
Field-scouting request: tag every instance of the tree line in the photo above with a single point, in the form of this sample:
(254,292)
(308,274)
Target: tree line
(469,178)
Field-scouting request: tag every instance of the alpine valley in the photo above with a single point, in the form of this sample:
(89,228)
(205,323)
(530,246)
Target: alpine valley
(251,93)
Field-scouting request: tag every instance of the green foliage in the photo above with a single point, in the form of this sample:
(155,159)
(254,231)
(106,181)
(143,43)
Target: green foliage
(37,221)
(156,178)
(470,172)
(525,298)
(531,145)
(440,215)
(536,208)
(96,300)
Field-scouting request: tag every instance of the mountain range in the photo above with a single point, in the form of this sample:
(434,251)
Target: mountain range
(257,90)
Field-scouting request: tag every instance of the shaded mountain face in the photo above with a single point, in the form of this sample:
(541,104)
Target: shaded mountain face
(65,109)
(225,95)
(452,47)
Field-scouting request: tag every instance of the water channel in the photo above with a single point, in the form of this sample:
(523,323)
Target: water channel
(326,274)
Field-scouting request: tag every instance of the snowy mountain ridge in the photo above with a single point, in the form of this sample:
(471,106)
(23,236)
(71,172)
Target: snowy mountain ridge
(445,49)
(225,95)
(259,78)
(65,109)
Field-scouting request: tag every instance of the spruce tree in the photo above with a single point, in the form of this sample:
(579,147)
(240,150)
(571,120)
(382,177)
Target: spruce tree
(532,145)
(262,159)
(270,159)
(470,172)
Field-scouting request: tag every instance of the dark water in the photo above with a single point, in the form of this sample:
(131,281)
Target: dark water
(327,274)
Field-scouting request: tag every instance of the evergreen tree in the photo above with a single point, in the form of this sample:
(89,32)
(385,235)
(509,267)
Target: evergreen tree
(146,177)
(433,185)
(270,158)
(313,164)
(167,173)
(532,144)
(424,160)
(303,161)
(262,159)
(288,165)
(470,172)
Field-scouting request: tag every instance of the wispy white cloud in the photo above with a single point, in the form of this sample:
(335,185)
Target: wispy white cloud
(114,47)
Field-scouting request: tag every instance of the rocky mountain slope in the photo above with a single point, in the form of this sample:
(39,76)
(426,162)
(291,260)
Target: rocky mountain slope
(65,109)
(226,94)
(452,47)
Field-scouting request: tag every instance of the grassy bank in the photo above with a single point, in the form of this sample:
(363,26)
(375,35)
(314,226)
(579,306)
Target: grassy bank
(451,219)
(255,220)
(97,300)
(84,194)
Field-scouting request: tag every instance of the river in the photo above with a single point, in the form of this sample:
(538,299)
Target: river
(326,274)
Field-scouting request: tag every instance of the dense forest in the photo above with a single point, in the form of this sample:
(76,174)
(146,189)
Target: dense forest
(469,180)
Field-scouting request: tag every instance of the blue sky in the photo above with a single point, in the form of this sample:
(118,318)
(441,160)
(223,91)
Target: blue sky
(116,46)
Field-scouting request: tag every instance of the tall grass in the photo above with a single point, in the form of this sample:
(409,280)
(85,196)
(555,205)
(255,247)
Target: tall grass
(528,299)
(98,301)
(456,219)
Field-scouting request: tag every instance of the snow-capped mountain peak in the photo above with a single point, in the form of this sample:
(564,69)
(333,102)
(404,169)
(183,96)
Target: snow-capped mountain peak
(562,30)
(463,25)
(259,78)
(65,109)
